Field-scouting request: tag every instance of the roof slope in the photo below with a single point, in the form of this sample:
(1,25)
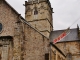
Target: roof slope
(72,36)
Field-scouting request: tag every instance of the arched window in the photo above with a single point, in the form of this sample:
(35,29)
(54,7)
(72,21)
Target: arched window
(35,11)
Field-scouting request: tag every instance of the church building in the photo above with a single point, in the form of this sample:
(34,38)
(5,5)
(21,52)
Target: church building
(26,38)
(30,38)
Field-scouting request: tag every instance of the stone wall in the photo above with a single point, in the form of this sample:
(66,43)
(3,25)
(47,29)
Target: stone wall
(11,26)
(56,54)
(36,45)
(8,18)
(72,48)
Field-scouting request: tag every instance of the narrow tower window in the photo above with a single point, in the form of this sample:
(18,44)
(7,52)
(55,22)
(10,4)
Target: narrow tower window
(35,11)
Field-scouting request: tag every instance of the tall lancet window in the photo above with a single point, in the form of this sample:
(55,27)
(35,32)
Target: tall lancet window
(35,12)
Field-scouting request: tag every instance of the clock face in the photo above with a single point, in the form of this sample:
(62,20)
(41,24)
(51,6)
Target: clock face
(0,27)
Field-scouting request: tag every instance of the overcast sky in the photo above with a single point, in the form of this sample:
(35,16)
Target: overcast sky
(65,12)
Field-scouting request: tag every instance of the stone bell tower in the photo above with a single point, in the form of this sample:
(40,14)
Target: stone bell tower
(39,14)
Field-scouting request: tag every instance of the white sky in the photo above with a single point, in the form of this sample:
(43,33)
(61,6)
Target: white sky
(65,12)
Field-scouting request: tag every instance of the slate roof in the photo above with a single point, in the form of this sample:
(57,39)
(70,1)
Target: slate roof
(72,36)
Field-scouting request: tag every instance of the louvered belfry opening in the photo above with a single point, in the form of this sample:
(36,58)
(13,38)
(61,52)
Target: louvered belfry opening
(35,11)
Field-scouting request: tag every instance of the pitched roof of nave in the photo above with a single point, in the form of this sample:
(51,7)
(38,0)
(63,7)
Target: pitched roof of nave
(72,36)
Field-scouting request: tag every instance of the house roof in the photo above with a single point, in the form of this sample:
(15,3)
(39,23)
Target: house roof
(72,36)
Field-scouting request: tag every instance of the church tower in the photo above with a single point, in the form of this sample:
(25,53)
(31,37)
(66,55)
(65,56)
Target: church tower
(39,14)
